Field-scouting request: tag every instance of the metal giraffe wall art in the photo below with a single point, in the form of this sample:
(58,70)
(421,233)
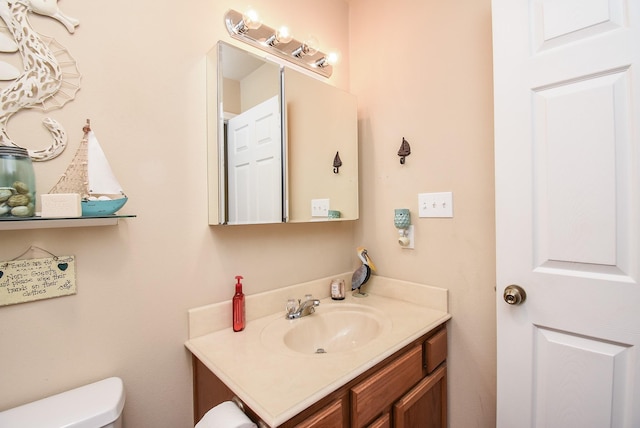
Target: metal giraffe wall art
(50,77)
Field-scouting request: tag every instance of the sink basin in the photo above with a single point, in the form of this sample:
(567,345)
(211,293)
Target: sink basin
(333,328)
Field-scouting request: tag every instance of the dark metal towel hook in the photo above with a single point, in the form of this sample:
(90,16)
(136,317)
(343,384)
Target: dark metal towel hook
(405,150)
(337,163)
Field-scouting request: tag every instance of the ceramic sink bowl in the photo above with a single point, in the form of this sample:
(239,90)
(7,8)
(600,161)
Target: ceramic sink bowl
(333,328)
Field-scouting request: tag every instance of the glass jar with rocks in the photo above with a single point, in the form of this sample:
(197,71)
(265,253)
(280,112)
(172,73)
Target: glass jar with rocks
(17,183)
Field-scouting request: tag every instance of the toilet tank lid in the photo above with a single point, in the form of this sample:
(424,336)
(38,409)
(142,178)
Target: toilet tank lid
(89,406)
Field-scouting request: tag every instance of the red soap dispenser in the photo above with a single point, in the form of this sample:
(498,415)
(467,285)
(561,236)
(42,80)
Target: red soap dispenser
(238,306)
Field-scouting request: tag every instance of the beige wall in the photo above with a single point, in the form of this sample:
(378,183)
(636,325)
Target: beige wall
(143,87)
(259,86)
(422,70)
(231,98)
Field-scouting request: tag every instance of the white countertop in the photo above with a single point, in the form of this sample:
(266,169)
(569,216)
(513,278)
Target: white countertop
(278,383)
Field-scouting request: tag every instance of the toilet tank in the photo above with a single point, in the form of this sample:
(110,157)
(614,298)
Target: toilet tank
(97,405)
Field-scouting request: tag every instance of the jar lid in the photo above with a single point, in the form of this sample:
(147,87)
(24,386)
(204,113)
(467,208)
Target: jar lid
(13,151)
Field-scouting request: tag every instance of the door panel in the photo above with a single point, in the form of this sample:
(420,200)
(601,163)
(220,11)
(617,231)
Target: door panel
(579,380)
(567,159)
(581,170)
(561,22)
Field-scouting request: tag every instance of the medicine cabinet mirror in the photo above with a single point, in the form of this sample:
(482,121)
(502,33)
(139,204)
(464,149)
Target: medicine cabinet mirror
(273,134)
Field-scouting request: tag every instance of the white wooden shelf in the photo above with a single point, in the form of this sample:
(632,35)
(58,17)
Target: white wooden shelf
(16,223)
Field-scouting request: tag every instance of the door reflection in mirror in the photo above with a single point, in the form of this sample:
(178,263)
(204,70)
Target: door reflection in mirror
(254,164)
(252,170)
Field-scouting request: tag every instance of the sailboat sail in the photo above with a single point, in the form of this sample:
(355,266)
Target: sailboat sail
(101,178)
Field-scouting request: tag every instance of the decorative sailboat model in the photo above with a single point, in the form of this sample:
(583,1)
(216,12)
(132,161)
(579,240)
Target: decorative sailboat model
(90,176)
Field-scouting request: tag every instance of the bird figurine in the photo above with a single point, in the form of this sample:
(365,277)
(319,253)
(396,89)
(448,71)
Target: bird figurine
(362,274)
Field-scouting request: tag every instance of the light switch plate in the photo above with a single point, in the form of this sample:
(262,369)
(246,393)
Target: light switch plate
(435,204)
(320,208)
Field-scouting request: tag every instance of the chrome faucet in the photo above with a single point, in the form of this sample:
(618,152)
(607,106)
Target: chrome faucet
(301,309)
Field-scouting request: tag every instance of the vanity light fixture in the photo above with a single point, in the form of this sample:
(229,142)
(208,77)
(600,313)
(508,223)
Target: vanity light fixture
(248,28)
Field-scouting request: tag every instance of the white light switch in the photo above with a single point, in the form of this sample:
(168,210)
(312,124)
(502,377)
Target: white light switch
(435,204)
(319,207)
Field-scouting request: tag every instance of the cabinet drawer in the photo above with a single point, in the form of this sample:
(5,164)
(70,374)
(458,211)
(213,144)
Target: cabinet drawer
(382,422)
(371,397)
(329,417)
(435,349)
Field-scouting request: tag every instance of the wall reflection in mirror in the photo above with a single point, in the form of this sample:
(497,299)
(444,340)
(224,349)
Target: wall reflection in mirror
(273,134)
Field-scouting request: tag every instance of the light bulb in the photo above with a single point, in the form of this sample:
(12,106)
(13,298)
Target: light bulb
(251,19)
(333,57)
(283,35)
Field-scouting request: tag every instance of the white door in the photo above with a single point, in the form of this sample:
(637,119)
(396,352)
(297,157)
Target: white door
(567,153)
(254,156)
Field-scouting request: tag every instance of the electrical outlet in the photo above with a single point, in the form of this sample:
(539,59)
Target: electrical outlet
(435,204)
(320,208)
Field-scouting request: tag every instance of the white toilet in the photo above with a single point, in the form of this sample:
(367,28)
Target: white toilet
(97,405)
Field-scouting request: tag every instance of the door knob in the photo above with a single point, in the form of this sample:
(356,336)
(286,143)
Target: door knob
(514,294)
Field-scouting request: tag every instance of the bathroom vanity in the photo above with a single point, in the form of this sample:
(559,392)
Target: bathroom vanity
(390,373)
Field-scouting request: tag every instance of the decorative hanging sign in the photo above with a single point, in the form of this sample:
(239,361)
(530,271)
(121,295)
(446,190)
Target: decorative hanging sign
(27,280)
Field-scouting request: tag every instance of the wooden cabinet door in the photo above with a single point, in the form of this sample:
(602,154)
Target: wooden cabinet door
(425,406)
(329,417)
(375,395)
(435,350)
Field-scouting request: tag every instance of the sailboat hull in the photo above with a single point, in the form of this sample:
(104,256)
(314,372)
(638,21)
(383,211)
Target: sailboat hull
(101,208)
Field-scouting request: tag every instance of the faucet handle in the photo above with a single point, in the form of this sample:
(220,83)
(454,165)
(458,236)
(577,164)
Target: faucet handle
(291,306)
